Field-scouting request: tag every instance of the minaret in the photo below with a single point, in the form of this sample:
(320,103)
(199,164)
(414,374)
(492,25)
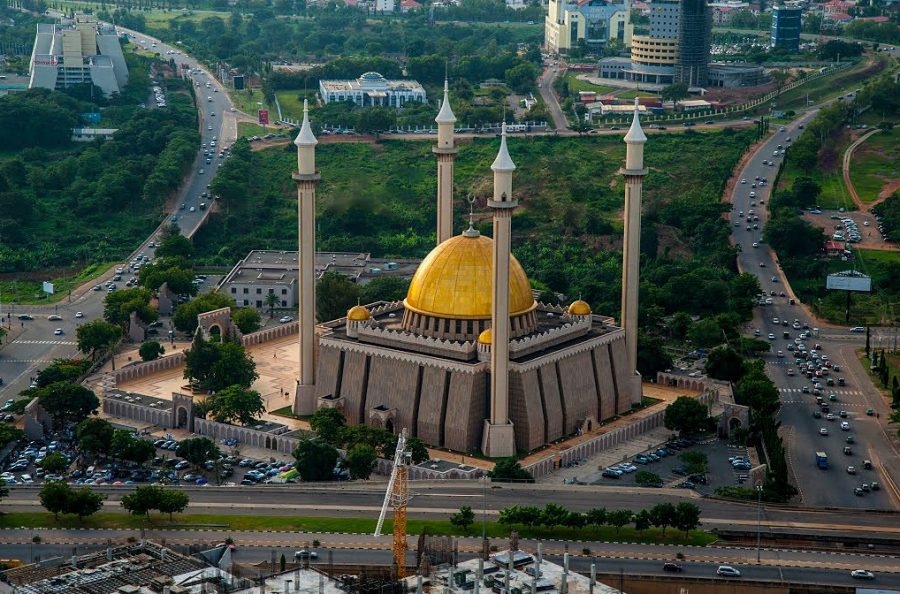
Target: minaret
(445,151)
(499,439)
(634,173)
(307,179)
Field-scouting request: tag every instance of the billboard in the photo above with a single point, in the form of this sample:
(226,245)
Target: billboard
(263,117)
(47,287)
(238,82)
(849,280)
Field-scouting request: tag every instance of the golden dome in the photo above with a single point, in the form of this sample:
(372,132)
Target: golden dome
(579,308)
(358,313)
(485,337)
(454,281)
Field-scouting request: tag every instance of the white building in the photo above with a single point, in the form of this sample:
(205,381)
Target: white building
(372,90)
(384,5)
(75,52)
(596,22)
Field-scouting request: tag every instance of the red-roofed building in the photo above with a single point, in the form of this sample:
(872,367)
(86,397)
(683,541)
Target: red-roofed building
(407,5)
(875,19)
(841,17)
(834,248)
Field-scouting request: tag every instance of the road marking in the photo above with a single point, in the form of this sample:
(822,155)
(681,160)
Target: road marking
(26,361)
(65,342)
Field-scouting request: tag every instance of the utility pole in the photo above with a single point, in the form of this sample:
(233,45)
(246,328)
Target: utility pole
(759,491)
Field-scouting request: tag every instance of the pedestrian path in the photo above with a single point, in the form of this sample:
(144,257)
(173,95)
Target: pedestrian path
(27,361)
(66,342)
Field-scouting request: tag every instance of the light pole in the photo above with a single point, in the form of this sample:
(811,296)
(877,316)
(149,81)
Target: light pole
(759,491)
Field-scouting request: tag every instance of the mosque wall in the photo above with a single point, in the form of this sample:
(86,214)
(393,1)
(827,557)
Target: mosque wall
(579,391)
(353,386)
(392,384)
(466,411)
(606,388)
(619,358)
(328,369)
(526,411)
(429,425)
(553,406)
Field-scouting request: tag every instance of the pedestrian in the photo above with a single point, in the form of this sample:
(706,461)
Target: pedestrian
(275,354)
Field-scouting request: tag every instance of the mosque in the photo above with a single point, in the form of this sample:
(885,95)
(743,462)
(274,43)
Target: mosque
(469,360)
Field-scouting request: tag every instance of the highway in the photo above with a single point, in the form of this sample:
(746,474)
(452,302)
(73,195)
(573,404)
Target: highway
(818,488)
(33,342)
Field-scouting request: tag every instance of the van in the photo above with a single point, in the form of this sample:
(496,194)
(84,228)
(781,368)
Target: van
(90,471)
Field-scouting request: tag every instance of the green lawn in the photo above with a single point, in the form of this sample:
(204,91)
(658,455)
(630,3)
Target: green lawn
(246,129)
(281,523)
(875,163)
(248,101)
(292,103)
(576,85)
(834,193)
(632,93)
(28,292)
(826,87)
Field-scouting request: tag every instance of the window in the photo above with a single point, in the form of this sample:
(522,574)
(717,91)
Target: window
(271,291)
(258,303)
(283,303)
(233,290)
(246,290)
(258,291)
(284,291)
(246,302)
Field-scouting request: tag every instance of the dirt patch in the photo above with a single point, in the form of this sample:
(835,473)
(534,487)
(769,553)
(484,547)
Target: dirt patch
(886,192)
(670,244)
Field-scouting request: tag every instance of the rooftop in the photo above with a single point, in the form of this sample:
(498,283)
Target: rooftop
(135,398)
(277,267)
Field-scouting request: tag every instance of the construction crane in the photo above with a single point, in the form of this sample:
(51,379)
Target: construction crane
(397,496)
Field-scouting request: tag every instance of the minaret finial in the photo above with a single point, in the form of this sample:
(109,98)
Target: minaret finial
(503,162)
(636,133)
(445,115)
(306,136)
(471,231)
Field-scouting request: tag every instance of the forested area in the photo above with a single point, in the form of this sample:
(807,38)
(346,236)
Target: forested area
(65,204)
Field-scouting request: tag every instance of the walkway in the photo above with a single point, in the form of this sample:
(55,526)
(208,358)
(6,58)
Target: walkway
(848,154)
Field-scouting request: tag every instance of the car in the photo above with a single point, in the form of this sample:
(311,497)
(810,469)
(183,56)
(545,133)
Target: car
(201,172)
(54,318)
(672,567)
(29,317)
(867,464)
(823,431)
(869,412)
(611,473)
(851,470)
(857,329)
(727,571)
(771,336)
(862,574)
(79,315)
(829,417)
(858,492)
(58,332)
(817,414)
(845,426)
(304,554)
(850,439)
(762,264)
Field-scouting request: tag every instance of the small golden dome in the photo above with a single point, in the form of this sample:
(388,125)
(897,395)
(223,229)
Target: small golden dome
(485,337)
(454,281)
(579,308)
(358,313)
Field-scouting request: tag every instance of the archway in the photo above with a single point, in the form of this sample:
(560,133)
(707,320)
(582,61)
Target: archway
(181,417)
(734,423)
(215,333)
(389,425)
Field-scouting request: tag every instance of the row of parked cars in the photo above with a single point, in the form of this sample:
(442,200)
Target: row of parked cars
(617,470)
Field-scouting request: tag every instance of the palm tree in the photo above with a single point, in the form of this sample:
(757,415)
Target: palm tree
(271,302)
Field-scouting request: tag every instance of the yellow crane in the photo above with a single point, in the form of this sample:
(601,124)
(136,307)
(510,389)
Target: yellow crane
(397,496)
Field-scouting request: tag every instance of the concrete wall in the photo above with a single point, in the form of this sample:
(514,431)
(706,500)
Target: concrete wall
(162,417)
(246,436)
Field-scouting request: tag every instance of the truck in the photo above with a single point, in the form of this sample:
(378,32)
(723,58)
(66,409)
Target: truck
(822,460)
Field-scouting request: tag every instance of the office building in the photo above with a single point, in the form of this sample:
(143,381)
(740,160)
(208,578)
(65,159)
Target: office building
(785,30)
(75,52)
(594,22)
(653,56)
(372,90)
(694,39)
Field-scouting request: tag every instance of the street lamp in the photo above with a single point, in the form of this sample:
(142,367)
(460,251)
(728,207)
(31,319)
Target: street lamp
(759,491)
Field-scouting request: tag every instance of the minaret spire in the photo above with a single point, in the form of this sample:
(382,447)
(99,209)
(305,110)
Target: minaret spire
(634,173)
(498,439)
(306,179)
(445,152)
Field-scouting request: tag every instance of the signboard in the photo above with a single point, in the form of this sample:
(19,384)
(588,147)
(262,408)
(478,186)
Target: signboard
(238,82)
(92,117)
(47,287)
(849,281)
(263,117)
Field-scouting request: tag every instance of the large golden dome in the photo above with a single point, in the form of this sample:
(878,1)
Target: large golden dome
(454,281)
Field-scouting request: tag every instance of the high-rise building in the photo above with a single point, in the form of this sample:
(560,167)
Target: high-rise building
(694,38)
(77,51)
(596,22)
(653,56)
(785,31)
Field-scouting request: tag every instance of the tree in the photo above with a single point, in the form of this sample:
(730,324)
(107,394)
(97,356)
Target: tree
(175,272)
(724,363)
(328,423)
(618,518)
(652,357)
(282,563)
(706,333)
(418,451)
(118,306)
(335,294)
(315,460)
(271,302)
(173,501)
(125,446)
(4,491)
(648,479)
(662,515)
(94,436)
(553,515)
(234,367)
(464,518)
(84,502)
(687,416)
(508,469)
(97,335)
(375,119)
(54,497)
(675,92)
(246,318)
(142,500)
(67,402)
(360,461)
(521,78)
(197,450)
(679,325)
(686,517)
(55,463)
(235,404)
(174,244)
(696,462)
(185,318)
(151,350)
(596,516)
(385,288)
(642,521)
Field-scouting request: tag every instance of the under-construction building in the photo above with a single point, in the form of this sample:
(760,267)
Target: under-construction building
(694,38)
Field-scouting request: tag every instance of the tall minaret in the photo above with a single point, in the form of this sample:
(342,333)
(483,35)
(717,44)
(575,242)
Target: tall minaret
(634,173)
(307,178)
(445,151)
(499,439)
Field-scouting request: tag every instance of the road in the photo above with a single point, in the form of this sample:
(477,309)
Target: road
(801,431)
(618,569)
(545,83)
(33,343)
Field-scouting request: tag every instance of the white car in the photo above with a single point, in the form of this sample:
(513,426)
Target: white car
(756,245)
(862,574)
(845,426)
(79,315)
(58,332)
(285,319)
(823,431)
(727,571)
(771,336)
